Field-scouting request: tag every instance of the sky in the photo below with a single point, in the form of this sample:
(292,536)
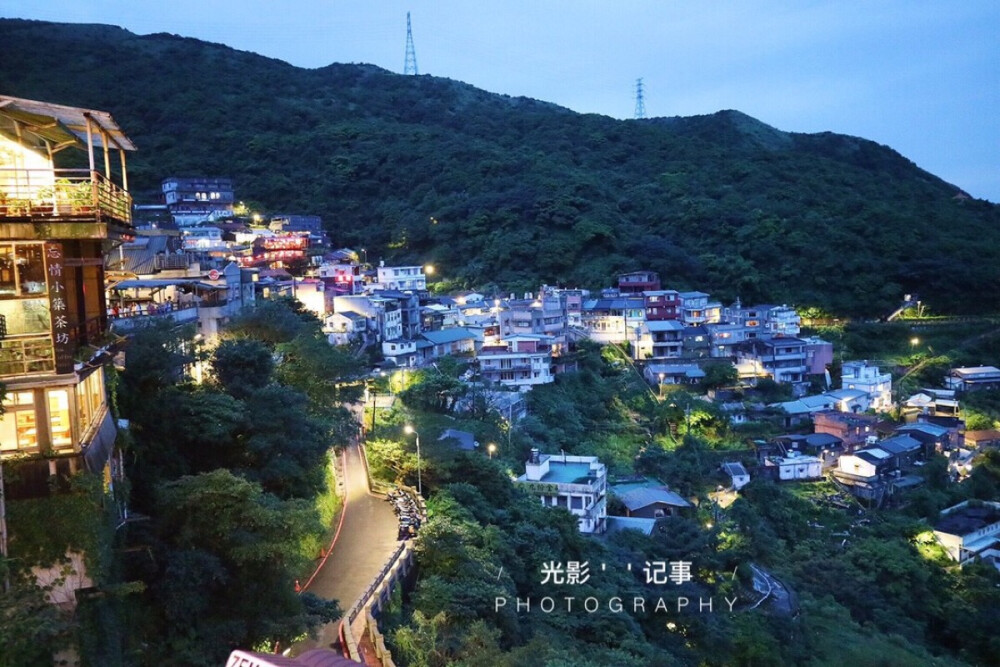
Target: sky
(922,77)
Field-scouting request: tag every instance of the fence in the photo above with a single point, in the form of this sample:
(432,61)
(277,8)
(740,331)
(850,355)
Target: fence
(378,595)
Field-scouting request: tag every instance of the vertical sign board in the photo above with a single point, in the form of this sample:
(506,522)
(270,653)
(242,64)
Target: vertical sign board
(59,311)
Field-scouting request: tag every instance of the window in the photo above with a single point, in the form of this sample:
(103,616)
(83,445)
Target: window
(59,419)
(17,426)
(30,269)
(576,502)
(89,399)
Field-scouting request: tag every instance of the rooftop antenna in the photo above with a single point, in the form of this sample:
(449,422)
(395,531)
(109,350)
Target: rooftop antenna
(640,104)
(410,67)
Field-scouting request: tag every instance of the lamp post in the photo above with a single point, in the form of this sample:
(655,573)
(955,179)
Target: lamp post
(410,430)
(374,394)
(491,448)
(663,376)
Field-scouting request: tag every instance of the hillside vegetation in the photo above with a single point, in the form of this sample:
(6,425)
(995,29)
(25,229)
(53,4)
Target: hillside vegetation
(513,191)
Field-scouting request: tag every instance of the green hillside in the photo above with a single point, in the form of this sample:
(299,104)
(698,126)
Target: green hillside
(512,191)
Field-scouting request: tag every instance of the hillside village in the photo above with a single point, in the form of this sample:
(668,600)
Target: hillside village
(198,258)
(394,316)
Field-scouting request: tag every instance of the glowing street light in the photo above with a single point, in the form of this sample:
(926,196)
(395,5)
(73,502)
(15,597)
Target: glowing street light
(914,341)
(491,448)
(429,269)
(409,430)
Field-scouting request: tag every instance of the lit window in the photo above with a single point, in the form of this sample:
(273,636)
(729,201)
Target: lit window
(17,425)
(59,422)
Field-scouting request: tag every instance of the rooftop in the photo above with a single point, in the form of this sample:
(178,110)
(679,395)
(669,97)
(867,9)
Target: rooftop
(967,518)
(567,473)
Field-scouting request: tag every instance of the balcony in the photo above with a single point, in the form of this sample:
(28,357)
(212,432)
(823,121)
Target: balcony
(125,324)
(62,204)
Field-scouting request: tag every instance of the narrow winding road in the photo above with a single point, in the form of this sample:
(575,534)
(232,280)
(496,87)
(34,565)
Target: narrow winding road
(364,541)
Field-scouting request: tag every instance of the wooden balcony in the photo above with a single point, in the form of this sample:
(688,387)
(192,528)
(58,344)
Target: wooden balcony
(40,204)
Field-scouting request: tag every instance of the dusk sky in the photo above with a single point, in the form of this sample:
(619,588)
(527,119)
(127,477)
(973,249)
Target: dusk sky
(921,77)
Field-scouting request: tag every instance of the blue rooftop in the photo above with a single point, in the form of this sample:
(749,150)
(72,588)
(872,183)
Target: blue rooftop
(567,473)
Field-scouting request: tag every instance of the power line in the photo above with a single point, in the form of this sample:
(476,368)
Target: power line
(640,104)
(410,66)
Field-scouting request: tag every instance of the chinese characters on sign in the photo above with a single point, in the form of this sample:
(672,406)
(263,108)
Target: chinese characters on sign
(61,338)
(657,572)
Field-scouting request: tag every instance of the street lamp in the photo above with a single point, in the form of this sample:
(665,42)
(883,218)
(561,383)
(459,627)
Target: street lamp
(365,252)
(491,448)
(410,430)
(663,376)
(429,269)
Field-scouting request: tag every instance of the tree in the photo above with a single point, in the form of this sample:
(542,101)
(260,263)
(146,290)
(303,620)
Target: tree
(719,374)
(242,365)
(31,628)
(227,553)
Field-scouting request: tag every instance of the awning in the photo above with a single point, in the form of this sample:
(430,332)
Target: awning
(60,124)
(98,451)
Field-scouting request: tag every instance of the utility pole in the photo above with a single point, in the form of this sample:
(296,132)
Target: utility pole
(410,65)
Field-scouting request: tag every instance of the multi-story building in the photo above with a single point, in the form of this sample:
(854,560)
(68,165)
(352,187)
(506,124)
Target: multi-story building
(868,378)
(970,531)
(614,318)
(307,224)
(724,337)
(781,359)
(666,340)
(401,278)
(192,200)
(853,429)
(971,379)
(384,314)
(696,309)
(517,361)
(578,484)
(341,279)
(54,224)
(662,305)
(638,282)
(764,321)
(544,316)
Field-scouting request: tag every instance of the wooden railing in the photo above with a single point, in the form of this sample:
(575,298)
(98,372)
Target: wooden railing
(62,193)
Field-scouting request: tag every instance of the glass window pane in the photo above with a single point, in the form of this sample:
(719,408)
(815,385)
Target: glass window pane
(27,435)
(30,268)
(83,413)
(59,422)
(8,286)
(8,433)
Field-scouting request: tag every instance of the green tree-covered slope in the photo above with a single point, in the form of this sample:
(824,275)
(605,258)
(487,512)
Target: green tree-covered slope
(512,191)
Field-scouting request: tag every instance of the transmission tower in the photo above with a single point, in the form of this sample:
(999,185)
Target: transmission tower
(640,104)
(410,67)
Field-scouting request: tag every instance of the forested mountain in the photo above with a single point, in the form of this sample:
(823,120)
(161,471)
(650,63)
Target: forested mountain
(513,191)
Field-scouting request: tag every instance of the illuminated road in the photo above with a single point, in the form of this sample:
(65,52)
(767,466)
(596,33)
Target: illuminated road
(366,539)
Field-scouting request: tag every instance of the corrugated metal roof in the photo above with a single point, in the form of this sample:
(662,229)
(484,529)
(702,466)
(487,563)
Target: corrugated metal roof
(70,122)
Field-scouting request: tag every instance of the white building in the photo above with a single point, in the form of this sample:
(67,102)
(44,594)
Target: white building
(518,361)
(796,467)
(384,312)
(737,473)
(868,378)
(576,483)
(970,530)
(402,278)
